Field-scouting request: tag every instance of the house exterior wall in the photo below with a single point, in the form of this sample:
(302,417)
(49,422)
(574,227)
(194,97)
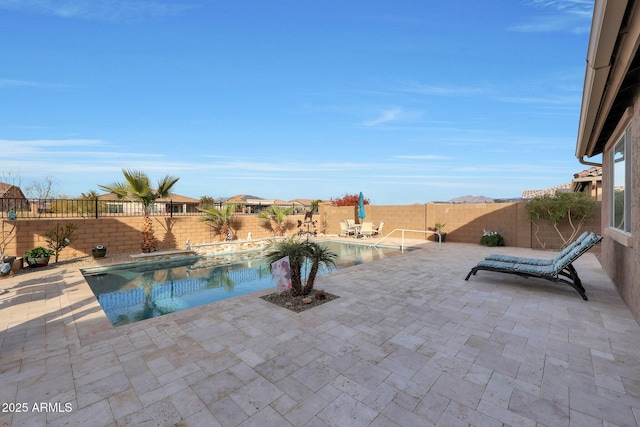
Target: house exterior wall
(621,254)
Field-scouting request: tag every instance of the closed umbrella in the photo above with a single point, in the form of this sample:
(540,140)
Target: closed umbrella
(361,214)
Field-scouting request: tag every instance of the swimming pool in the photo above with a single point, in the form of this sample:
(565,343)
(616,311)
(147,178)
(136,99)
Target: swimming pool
(132,292)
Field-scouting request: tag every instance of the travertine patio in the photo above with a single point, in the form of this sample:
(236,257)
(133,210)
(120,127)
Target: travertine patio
(408,343)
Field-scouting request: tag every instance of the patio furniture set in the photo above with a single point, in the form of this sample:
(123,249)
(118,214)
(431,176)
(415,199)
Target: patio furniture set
(365,230)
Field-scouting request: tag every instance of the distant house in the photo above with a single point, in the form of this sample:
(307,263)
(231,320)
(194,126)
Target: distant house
(562,188)
(610,127)
(588,181)
(175,204)
(12,199)
(254,204)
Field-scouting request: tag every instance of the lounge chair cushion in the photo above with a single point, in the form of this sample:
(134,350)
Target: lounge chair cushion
(559,270)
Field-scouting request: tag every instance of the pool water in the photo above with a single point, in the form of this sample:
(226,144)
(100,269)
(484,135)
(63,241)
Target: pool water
(133,292)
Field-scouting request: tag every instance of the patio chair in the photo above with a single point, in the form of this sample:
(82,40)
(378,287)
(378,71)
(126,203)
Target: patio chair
(378,231)
(538,261)
(559,270)
(366,230)
(345,230)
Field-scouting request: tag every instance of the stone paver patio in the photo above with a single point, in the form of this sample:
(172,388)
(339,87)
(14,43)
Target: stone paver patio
(408,343)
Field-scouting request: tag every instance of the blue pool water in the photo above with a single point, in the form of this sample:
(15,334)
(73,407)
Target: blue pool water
(132,292)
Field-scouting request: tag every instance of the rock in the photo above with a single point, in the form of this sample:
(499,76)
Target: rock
(307,300)
(288,304)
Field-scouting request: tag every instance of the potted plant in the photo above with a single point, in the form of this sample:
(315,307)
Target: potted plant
(438,228)
(6,261)
(99,251)
(38,256)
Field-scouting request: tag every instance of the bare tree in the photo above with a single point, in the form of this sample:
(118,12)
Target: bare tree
(42,189)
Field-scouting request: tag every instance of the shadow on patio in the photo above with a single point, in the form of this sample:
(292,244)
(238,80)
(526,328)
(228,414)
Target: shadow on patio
(408,342)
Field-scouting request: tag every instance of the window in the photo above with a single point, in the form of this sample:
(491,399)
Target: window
(621,183)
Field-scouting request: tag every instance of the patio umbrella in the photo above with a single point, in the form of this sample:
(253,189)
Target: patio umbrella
(361,213)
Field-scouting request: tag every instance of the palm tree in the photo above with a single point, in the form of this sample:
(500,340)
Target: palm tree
(319,256)
(298,252)
(220,219)
(276,216)
(137,188)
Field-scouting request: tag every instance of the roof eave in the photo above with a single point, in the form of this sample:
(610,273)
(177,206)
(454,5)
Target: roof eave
(605,27)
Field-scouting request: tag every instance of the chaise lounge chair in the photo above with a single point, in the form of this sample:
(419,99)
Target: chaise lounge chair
(559,269)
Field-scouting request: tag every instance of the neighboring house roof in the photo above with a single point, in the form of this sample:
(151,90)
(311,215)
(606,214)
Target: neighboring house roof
(175,198)
(585,177)
(10,191)
(245,199)
(562,188)
(612,73)
(595,171)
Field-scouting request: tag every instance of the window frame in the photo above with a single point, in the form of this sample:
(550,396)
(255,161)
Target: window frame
(624,142)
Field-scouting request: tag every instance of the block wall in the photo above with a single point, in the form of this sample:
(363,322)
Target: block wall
(464,223)
(122,234)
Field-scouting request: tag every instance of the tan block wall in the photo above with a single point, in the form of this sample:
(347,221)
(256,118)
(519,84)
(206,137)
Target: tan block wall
(122,234)
(464,223)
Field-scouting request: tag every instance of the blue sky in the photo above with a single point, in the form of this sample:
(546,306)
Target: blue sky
(406,101)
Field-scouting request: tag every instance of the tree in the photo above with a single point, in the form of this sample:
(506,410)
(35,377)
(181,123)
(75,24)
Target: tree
(315,205)
(207,202)
(347,200)
(41,189)
(221,220)
(575,208)
(276,216)
(137,188)
(300,252)
(60,237)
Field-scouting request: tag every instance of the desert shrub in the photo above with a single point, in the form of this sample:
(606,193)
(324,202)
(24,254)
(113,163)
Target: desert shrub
(492,240)
(575,208)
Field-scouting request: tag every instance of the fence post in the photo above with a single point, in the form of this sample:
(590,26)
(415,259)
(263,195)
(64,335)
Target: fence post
(96,207)
(171,208)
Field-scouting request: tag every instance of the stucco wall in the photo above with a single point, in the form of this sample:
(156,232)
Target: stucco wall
(621,254)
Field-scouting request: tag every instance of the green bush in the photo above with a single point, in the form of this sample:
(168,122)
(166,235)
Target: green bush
(492,240)
(575,209)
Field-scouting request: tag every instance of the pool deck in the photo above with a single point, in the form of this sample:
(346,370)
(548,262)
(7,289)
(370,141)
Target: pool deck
(408,343)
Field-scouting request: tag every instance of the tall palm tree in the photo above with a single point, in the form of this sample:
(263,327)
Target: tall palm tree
(137,188)
(220,219)
(276,216)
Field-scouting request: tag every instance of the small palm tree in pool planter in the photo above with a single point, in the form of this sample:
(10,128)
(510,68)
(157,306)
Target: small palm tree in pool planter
(276,216)
(221,220)
(298,252)
(38,256)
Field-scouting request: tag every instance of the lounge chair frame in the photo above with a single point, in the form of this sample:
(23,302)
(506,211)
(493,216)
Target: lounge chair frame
(559,269)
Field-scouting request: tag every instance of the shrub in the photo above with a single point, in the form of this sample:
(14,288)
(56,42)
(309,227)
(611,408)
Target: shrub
(492,240)
(60,237)
(575,208)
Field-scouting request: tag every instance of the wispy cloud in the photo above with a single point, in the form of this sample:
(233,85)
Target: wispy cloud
(392,115)
(420,157)
(558,16)
(441,90)
(102,10)
(15,83)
